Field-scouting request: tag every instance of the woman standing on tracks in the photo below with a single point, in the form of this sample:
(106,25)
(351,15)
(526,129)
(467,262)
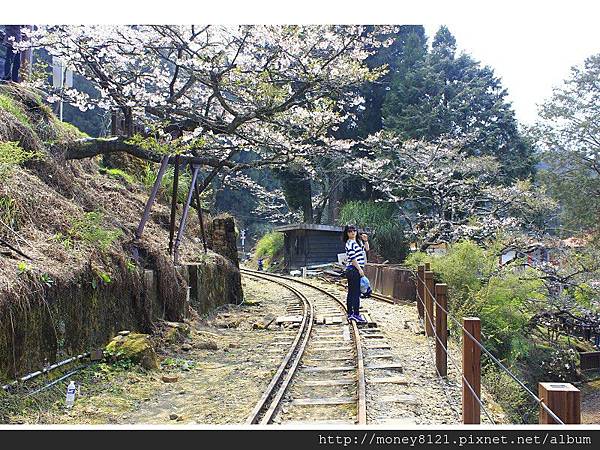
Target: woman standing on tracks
(356,259)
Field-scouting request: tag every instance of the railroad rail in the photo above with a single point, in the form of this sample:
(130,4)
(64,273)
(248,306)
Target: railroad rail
(322,339)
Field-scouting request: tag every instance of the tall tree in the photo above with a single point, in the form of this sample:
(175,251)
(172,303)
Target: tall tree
(568,135)
(442,93)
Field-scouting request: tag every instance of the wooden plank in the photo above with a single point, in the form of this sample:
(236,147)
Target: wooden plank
(390,380)
(305,424)
(378,347)
(331,349)
(383,356)
(288,319)
(333,358)
(342,382)
(395,366)
(324,401)
(328,369)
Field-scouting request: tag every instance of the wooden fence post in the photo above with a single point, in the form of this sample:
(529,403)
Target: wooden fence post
(420,289)
(471,371)
(429,324)
(441,329)
(563,399)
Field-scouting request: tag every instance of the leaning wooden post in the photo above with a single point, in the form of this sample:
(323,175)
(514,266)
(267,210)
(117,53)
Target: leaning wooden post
(429,324)
(441,329)
(471,371)
(420,284)
(563,399)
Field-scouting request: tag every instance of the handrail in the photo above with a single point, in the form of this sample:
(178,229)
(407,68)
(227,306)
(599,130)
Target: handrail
(492,357)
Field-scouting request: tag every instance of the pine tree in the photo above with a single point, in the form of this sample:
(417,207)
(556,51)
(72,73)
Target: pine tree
(442,93)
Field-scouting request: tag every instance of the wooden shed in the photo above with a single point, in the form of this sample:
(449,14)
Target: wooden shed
(308,244)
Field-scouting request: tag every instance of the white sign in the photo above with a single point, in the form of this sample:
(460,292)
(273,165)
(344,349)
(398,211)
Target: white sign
(61,76)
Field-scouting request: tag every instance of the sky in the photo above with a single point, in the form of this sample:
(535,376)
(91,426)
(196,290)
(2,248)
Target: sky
(530,44)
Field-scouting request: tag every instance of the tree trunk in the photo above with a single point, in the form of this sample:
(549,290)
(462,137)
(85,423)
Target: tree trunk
(308,211)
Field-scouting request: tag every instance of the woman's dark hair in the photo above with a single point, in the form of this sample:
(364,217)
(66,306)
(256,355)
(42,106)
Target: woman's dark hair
(347,228)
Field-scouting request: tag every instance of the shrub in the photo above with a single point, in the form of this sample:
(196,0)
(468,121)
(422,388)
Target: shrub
(9,105)
(89,230)
(12,155)
(516,404)
(502,306)
(387,233)
(118,174)
(269,247)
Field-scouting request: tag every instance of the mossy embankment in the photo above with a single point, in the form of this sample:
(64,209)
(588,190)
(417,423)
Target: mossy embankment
(76,222)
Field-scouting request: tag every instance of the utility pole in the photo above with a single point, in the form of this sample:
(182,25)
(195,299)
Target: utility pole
(243,239)
(61,78)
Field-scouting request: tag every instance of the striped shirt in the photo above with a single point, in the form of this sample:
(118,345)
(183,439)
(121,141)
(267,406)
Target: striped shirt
(355,251)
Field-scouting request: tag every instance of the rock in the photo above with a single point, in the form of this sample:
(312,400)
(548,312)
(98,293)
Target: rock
(186,347)
(124,333)
(264,323)
(227,323)
(180,419)
(173,416)
(206,344)
(251,303)
(176,332)
(233,345)
(170,378)
(135,347)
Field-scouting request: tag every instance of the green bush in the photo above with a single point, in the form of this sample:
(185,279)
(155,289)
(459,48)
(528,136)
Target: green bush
(387,236)
(269,247)
(516,404)
(9,105)
(118,174)
(478,287)
(165,190)
(89,230)
(12,155)
(501,304)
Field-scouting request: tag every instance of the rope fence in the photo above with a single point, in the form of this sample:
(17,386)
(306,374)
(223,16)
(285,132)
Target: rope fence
(554,396)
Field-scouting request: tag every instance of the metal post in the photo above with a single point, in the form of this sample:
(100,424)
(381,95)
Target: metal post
(441,329)
(420,289)
(174,193)
(140,229)
(471,371)
(563,399)
(429,303)
(200,219)
(186,210)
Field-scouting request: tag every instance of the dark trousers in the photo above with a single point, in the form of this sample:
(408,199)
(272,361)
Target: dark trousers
(12,64)
(353,299)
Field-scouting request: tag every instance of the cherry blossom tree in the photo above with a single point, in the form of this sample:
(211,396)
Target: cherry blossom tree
(445,195)
(214,91)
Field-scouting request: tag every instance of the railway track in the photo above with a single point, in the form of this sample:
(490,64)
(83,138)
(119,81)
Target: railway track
(322,377)
(324,360)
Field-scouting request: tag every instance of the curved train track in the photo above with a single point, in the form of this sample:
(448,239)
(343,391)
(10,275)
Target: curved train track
(325,345)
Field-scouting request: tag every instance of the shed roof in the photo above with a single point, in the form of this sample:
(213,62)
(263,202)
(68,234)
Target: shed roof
(309,226)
